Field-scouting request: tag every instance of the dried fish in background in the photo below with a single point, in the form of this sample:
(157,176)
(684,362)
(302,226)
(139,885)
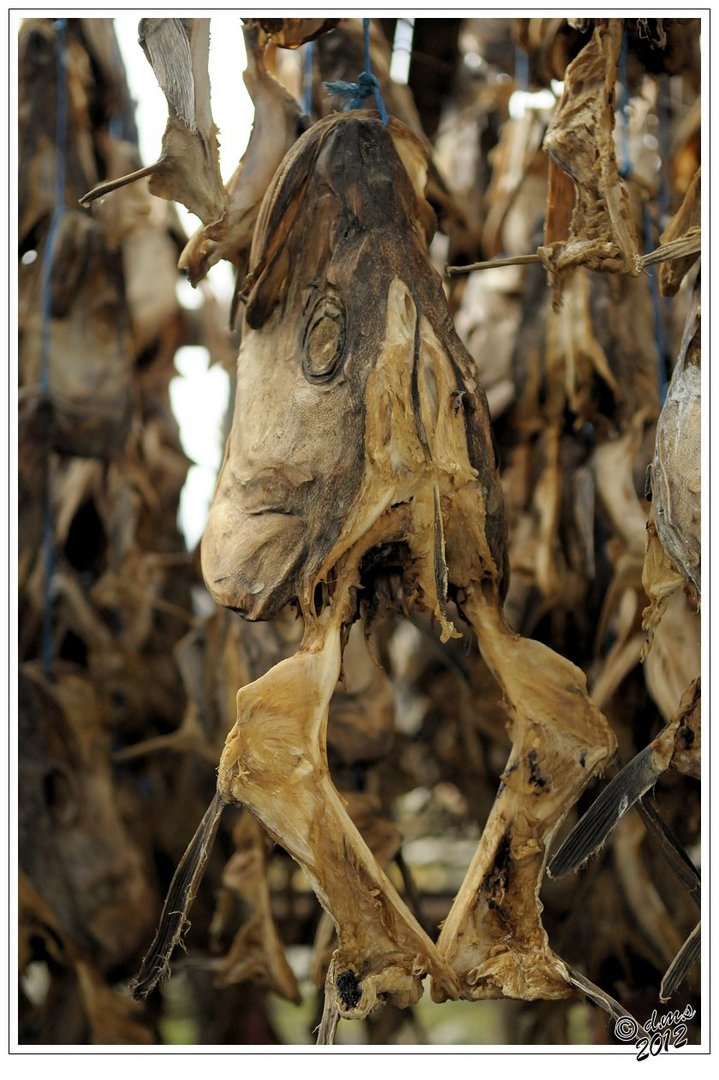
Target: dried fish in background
(277,124)
(188,170)
(674,531)
(422,806)
(105,579)
(291,33)
(580,140)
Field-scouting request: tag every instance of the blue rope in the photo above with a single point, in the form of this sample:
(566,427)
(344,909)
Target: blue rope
(355,94)
(626,165)
(521,68)
(663,125)
(116,127)
(307,79)
(48,531)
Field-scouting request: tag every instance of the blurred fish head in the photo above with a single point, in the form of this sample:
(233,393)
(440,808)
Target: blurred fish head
(73,845)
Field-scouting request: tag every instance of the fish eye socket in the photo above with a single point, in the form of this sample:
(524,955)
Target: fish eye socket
(323,343)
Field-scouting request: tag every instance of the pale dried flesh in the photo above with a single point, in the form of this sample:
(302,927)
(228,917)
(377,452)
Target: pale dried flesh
(676,468)
(580,139)
(687,217)
(276,125)
(290,33)
(188,170)
(359,423)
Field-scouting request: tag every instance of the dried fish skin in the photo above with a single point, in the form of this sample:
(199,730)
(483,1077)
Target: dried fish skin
(42,146)
(493,936)
(423,435)
(688,216)
(256,952)
(602,234)
(291,33)
(315,325)
(88,317)
(112,1018)
(274,762)
(277,123)
(188,170)
(73,845)
(676,468)
(673,550)
(426,473)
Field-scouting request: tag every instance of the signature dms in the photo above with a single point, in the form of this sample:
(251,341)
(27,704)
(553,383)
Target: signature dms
(668,1019)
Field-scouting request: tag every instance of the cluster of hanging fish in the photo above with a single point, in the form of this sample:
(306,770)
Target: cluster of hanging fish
(361,485)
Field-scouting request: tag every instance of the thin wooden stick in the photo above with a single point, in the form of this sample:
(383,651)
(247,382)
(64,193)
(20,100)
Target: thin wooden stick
(112,185)
(511,260)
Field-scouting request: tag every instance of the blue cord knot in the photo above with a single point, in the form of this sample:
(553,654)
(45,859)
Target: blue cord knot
(355,94)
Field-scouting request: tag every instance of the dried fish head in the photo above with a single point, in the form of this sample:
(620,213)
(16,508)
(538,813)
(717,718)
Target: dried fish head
(340,223)
(74,847)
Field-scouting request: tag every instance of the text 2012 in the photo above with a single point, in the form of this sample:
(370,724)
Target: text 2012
(660,1032)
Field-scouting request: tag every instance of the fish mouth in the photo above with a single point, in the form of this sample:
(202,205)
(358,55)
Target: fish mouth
(258,511)
(272,491)
(251,558)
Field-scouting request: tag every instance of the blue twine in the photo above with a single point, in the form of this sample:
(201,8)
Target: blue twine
(663,125)
(307,79)
(46,648)
(356,94)
(626,166)
(521,68)
(116,127)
